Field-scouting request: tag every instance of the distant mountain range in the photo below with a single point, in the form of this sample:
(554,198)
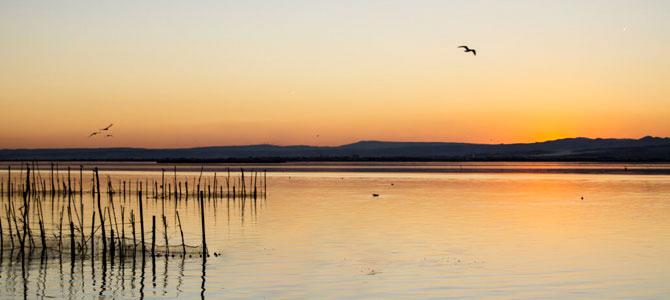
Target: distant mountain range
(647,149)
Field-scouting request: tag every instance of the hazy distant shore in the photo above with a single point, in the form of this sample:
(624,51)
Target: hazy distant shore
(647,149)
(463,167)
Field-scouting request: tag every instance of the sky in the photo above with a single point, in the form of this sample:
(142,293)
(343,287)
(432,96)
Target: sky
(202,73)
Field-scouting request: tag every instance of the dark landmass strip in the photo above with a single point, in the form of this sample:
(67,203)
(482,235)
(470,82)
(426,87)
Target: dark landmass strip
(647,149)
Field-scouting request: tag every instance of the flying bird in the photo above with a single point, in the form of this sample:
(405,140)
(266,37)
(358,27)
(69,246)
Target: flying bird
(107,128)
(109,136)
(92,134)
(468,50)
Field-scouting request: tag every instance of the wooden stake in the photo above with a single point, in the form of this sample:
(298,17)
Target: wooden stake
(144,249)
(102,219)
(202,218)
(153,236)
(183,245)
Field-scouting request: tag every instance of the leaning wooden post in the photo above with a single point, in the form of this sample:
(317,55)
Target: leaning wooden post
(243,184)
(26,194)
(122,244)
(144,249)
(183,245)
(69,182)
(167,247)
(255,182)
(102,220)
(42,232)
(265,182)
(202,218)
(132,220)
(153,236)
(81,184)
(72,242)
(162,183)
(2,242)
(9,225)
(93,236)
(111,245)
(53,188)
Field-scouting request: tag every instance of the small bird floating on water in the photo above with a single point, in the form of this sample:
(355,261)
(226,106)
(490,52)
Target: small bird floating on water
(375,195)
(469,50)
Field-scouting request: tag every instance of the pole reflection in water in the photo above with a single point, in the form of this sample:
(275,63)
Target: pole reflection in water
(45,272)
(70,290)
(203,277)
(165,277)
(24,275)
(41,285)
(180,278)
(124,279)
(103,284)
(122,273)
(132,277)
(142,277)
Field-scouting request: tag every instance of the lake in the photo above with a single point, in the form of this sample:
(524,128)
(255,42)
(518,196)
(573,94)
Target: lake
(435,230)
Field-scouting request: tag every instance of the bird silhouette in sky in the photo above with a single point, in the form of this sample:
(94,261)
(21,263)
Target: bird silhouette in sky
(100,131)
(469,50)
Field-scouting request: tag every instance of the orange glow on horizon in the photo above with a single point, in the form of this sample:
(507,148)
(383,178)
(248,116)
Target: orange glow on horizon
(331,73)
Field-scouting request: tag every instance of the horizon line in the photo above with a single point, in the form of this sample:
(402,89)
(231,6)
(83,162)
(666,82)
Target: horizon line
(352,143)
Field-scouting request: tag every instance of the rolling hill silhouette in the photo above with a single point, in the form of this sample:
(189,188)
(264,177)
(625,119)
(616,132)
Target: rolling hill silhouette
(570,149)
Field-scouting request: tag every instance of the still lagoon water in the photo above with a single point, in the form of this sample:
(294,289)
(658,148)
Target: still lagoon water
(435,231)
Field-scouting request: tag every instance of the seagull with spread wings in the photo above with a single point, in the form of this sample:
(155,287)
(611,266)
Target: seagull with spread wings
(468,50)
(100,131)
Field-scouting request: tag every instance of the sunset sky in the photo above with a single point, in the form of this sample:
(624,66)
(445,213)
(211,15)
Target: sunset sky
(202,73)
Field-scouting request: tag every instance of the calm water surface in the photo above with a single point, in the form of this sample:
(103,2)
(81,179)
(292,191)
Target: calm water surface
(323,235)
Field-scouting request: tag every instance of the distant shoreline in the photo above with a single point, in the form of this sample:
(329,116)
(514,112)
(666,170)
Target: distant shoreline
(647,149)
(281,161)
(433,167)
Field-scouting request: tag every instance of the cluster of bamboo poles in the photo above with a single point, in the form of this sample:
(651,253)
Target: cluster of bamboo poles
(34,189)
(252,186)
